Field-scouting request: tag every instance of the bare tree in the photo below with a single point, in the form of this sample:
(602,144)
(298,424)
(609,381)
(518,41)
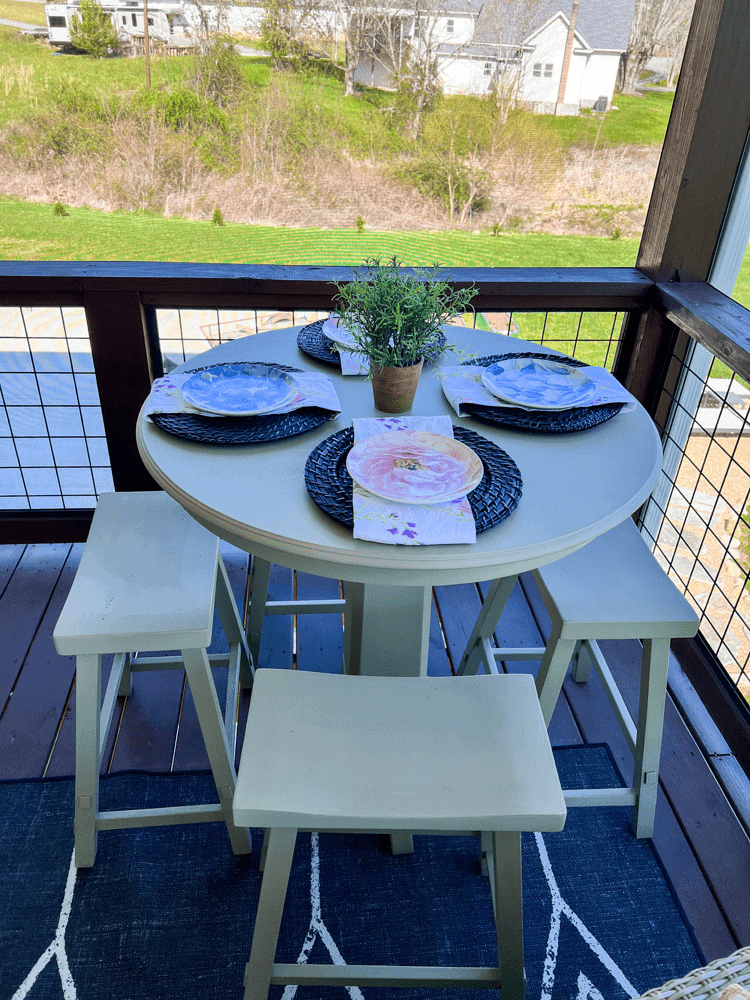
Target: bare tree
(509,23)
(656,24)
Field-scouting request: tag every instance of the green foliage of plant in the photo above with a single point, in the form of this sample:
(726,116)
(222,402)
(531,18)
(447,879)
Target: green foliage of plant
(393,315)
(360,224)
(58,209)
(217,219)
(458,186)
(93,31)
(218,75)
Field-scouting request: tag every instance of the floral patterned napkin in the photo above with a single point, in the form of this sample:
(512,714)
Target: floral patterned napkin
(384,521)
(462,384)
(315,390)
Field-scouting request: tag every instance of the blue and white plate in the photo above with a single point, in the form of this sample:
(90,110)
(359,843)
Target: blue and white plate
(241,389)
(538,384)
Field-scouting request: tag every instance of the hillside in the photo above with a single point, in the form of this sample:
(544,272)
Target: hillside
(287,148)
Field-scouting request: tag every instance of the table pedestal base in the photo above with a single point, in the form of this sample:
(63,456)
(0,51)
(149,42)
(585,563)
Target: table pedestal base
(386,629)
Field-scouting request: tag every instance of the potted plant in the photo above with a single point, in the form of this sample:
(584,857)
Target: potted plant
(395,319)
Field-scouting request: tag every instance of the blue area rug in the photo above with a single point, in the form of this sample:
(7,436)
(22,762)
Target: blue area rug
(166,913)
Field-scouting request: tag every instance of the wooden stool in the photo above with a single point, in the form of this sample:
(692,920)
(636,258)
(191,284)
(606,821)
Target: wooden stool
(611,589)
(147,581)
(384,754)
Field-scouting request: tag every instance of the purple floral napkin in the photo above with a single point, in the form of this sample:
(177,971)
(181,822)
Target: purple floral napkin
(409,524)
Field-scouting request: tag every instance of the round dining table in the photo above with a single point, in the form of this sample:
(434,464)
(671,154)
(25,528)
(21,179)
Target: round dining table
(576,485)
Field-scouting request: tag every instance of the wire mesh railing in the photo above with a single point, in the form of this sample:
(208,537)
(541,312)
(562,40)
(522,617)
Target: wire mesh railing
(697,519)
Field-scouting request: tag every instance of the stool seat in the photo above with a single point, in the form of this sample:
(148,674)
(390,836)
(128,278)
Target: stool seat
(146,580)
(392,753)
(149,580)
(384,754)
(613,588)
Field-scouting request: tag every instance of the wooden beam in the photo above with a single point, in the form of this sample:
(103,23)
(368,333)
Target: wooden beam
(205,286)
(711,318)
(123,362)
(701,155)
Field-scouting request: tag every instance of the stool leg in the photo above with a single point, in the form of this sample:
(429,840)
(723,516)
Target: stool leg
(259,576)
(552,671)
(487,620)
(506,858)
(581,662)
(230,622)
(88,708)
(211,723)
(259,968)
(648,742)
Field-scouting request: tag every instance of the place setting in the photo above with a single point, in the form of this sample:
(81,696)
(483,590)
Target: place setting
(239,403)
(535,391)
(331,342)
(413,480)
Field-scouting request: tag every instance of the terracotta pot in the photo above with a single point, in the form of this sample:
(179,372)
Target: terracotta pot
(393,387)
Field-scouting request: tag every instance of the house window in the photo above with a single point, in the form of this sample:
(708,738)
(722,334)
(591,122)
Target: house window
(135,22)
(537,69)
(124,19)
(55,21)
(416,29)
(449,26)
(488,69)
(548,69)
(151,21)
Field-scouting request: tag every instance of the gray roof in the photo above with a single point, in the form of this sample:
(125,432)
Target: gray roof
(603,24)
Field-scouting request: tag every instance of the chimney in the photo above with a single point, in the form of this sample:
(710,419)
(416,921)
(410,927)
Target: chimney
(566,58)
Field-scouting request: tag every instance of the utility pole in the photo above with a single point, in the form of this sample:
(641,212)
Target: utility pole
(146,45)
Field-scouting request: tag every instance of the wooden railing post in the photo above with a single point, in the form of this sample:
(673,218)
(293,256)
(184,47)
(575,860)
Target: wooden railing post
(125,366)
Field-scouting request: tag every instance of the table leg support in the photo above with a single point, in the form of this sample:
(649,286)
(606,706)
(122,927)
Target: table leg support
(387,629)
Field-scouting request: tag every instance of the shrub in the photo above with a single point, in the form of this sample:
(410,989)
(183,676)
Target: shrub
(217,219)
(93,31)
(360,224)
(58,209)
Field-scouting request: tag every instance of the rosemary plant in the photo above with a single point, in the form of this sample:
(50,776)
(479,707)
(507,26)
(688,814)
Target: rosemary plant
(396,317)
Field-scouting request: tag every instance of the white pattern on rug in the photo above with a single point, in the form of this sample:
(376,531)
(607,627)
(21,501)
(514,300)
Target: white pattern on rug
(317,926)
(56,948)
(560,907)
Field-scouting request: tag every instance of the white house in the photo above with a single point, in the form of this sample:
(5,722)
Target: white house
(561,61)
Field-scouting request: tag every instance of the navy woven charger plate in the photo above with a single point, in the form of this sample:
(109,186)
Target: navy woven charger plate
(496,495)
(313,341)
(554,422)
(246,430)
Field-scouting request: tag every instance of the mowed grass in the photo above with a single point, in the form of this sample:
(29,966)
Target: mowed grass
(31,232)
(18,10)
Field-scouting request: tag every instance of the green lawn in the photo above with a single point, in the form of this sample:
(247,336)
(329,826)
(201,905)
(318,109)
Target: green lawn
(30,231)
(18,10)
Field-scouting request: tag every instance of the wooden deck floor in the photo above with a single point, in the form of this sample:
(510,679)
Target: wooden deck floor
(702,845)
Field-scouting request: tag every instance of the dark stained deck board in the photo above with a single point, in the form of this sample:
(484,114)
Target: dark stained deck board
(320,639)
(692,847)
(23,603)
(30,722)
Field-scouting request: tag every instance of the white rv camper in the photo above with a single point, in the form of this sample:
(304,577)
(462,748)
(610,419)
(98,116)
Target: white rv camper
(127,17)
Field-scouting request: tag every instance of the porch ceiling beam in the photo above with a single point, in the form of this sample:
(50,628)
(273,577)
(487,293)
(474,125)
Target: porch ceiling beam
(711,318)
(224,286)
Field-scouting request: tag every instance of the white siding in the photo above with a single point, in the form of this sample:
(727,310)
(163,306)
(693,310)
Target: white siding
(549,49)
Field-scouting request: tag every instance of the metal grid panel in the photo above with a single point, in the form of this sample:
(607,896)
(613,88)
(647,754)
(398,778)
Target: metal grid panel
(53,452)
(698,519)
(592,337)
